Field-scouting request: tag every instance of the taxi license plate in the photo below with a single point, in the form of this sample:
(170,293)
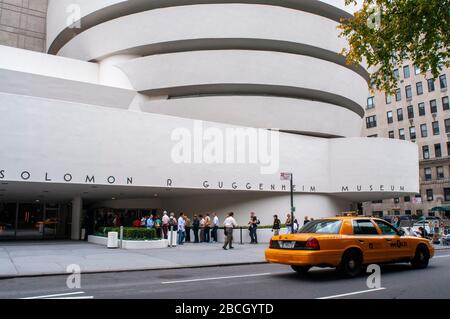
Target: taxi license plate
(288,244)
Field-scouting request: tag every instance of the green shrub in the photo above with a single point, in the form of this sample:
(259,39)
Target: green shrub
(130,233)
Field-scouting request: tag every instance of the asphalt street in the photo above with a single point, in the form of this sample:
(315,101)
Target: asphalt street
(263,281)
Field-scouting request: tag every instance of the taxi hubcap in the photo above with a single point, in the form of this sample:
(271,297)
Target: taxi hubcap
(351,264)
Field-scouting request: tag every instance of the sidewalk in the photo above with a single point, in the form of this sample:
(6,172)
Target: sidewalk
(51,258)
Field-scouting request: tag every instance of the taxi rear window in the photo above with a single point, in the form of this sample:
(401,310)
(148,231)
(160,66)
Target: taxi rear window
(323,226)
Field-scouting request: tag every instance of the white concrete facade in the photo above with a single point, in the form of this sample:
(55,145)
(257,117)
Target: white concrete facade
(103,111)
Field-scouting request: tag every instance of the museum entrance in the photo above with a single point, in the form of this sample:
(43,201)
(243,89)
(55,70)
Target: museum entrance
(33,221)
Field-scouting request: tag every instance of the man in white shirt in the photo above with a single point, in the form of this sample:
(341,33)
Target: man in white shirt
(181,229)
(229,224)
(165,224)
(215,227)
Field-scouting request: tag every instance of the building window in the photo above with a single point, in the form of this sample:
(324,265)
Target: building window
(431,86)
(448,148)
(371,102)
(426,152)
(419,88)
(374,135)
(401,134)
(390,118)
(436,130)
(407,199)
(433,106)
(406,72)
(423,130)
(427,172)
(396,200)
(417,69)
(412,132)
(421,109)
(408,91)
(447,125)
(430,196)
(445,103)
(396,74)
(388,99)
(440,172)
(371,121)
(437,150)
(447,194)
(391,134)
(398,95)
(399,115)
(443,81)
(410,110)
(407,212)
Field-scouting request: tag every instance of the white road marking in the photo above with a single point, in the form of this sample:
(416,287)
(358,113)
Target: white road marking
(441,256)
(82,297)
(56,295)
(214,278)
(352,293)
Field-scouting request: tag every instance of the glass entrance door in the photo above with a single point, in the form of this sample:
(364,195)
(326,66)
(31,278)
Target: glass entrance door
(30,221)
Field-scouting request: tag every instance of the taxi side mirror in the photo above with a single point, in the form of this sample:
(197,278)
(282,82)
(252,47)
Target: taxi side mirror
(401,232)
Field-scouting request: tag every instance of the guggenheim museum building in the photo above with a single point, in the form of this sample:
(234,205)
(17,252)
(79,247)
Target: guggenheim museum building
(194,106)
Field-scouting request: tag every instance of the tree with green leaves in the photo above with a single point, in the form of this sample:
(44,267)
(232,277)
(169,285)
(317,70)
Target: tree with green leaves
(384,33)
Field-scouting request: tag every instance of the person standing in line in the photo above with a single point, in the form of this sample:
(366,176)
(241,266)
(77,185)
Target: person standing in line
(253,224)
(202,229)
(165,224)
(188,228)
(143,221)
(215,227)
(195,228)
(157,221)
(289,224)
(207,228)
(150,222)
(276,225)
(181,229)
(229,224)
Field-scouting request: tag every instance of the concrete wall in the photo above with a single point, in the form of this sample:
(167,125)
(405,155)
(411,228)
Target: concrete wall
(23,24)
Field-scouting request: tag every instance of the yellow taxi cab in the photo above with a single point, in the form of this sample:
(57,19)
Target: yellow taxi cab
(348,244)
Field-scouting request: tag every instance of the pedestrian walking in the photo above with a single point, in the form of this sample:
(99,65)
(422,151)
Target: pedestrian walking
(306,220)
(229,224)
(215,224)
(276,225)
(207,229)
(196,228)
(188,228)
(165,224)
(157,222)
(289,223)
(181,229)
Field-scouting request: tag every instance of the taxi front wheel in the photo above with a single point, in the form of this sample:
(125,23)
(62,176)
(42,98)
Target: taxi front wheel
(301,270)
(351,264)
(421,258)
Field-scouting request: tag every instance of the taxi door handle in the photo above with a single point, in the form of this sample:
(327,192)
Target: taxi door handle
(361,241)
(388,239)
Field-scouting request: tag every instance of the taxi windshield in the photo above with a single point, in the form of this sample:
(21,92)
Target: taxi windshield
(324,226)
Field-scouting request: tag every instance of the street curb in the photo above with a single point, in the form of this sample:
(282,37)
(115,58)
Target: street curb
(131,270)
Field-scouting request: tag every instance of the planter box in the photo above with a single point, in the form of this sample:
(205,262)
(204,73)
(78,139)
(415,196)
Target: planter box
(132,244)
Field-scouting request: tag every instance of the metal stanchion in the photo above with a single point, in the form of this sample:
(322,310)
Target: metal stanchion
(171,236)
(121,236)
(241,243)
